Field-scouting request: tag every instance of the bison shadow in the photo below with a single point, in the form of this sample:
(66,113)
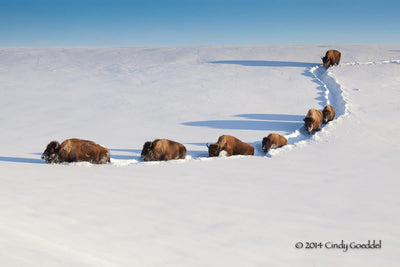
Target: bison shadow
(195,154)
(22,160)
(262,63)
(271,117)
(259,122)
(135,154)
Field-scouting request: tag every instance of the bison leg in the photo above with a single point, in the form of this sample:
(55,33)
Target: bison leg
(164,157)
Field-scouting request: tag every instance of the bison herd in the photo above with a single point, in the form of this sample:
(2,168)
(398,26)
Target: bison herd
(76,150)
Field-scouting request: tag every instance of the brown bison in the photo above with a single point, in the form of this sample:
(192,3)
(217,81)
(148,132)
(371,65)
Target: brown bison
(313,120)
(328,113)
(273,141)
(163,149)
(74,150)
(231,145)
(332,57)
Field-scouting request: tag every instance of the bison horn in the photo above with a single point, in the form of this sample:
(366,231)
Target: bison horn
(207,145)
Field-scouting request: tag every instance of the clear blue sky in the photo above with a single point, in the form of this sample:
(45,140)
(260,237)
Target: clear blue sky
(197,22)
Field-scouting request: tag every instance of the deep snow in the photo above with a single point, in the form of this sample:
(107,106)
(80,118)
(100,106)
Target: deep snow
(338,184)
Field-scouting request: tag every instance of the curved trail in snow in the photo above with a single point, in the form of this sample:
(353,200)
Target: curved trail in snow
(333,95)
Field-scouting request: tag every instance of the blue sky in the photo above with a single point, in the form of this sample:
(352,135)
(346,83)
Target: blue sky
(197,22)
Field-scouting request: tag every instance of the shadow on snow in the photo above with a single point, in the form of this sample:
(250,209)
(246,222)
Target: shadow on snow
(259,122)
(22,160)
(135,154)
(262,63)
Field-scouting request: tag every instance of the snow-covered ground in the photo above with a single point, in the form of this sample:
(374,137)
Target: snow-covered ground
(338,184)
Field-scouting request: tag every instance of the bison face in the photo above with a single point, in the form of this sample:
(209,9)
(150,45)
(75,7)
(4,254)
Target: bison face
(266,144)
(147,151)
(326,114)
(51,154)
(326,62)
(214,150)
(308,124)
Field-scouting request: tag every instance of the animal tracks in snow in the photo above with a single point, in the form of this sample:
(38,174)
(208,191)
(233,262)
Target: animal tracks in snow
(333,93)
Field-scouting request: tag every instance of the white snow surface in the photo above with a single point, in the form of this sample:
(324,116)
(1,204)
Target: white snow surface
(340,183)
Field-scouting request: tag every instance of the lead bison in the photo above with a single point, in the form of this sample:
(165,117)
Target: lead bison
(162,150)
(313,120)
(75,150)
(273,141)
(231,145)
(332,57)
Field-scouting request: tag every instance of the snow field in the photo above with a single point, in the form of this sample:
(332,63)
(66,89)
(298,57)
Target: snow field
(337,184)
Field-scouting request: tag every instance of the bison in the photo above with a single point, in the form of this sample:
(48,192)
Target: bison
(313,120)
(328,113)
(75,150)
(273,141)
(162,150)
(231,145)
(332,57)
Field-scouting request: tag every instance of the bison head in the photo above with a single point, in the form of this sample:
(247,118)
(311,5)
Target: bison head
(214,150)
(326,114)
(266,144)
(147,151)
(326,61)
(51,154)
(308,123)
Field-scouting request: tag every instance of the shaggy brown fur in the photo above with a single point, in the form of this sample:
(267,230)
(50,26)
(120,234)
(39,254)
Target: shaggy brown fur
(163,149)
(328,113)
(332,57)
(74,150)
(313,120)
(231,145)
(273,141)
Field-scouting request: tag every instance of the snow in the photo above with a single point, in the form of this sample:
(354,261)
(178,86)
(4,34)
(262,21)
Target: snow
(337,184)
